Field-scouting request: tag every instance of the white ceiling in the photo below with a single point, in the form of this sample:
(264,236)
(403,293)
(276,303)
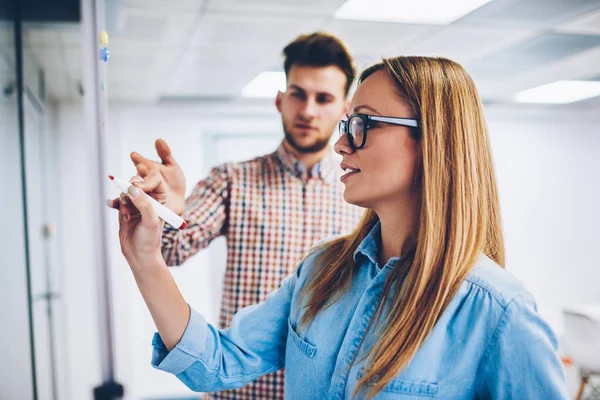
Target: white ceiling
(207,50)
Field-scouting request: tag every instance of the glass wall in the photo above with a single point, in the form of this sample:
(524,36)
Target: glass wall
(17,380)
(32,338)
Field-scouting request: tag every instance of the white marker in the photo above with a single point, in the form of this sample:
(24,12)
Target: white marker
(163,212)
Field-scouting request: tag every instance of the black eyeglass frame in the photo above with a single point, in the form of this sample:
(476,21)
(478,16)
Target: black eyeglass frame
(344,126)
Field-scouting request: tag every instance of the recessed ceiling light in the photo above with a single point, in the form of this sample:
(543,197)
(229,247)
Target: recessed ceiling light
(559,92)
(415,12)
(266,84)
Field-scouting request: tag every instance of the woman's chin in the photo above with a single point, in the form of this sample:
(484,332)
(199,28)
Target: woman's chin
(355,199)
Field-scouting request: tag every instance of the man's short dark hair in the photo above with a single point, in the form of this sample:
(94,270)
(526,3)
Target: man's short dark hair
(320,49)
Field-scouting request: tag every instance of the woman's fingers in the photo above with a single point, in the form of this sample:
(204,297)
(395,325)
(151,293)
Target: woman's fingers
(113,203)
(133,205)
(124,212)
(125,208)
(142,203)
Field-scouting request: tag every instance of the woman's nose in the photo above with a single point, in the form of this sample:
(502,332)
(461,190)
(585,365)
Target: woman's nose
(342,145)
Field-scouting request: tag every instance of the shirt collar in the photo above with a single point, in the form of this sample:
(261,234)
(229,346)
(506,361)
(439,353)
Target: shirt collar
(324,169)
(369,247)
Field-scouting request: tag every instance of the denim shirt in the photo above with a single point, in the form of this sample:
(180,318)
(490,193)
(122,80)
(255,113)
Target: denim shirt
(490,342)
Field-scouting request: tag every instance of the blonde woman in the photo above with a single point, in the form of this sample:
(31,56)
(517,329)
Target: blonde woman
(415,302)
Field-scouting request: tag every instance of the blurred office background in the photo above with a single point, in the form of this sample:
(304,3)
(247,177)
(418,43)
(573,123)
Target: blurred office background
(203,75)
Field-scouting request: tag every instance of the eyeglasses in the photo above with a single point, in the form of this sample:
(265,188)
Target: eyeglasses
(357,125)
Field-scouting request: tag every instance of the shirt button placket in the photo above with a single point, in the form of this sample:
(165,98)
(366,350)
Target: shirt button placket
(359,329)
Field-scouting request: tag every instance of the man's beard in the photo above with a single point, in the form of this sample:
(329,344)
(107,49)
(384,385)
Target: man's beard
(316,147)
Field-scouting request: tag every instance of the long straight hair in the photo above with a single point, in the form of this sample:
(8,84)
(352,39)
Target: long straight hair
(459,217)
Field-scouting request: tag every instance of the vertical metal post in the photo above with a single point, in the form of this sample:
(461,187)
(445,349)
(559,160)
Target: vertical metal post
(92,12)
(18,32)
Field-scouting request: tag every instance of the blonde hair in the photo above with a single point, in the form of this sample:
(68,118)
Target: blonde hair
(459,217)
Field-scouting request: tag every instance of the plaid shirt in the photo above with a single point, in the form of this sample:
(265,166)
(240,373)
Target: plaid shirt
(272,211)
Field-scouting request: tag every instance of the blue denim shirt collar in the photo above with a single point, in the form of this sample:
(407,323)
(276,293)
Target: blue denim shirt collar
(370,245)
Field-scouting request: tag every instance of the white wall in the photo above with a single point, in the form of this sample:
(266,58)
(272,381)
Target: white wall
(547,169)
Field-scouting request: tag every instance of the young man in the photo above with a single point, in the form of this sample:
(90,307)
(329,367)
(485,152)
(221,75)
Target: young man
(271,209)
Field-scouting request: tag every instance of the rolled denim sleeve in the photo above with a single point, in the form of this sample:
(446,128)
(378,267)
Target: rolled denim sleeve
(209,360)
(521,361)
(185,353)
